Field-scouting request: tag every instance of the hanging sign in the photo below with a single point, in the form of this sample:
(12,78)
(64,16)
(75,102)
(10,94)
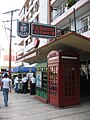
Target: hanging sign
(43,30)
(23,29)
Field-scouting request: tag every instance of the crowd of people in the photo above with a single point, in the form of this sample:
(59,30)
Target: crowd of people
(19,85)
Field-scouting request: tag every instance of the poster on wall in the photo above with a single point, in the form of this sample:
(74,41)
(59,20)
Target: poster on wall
(39,79)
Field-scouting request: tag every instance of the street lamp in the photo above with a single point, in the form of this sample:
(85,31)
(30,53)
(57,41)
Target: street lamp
(10,43)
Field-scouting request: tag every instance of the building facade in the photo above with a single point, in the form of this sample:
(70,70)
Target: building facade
(72,21)
(66,15)
(72,15)
(31,12)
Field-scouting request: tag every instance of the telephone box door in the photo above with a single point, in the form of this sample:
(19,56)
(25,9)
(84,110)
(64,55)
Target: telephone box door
(70,81)
(53,84)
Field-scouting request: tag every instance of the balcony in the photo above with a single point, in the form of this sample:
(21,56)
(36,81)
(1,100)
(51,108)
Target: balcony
(63,7)
(21,42)
(83,30)
(62,18)
(55,3)
(20,52)
(29,47)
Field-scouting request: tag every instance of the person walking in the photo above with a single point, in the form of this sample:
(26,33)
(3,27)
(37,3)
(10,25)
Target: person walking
(6,87)
(0,82)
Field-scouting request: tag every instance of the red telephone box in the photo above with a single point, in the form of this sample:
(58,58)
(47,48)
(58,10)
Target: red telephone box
(63,78)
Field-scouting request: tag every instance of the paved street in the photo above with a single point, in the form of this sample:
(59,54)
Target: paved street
(26,107)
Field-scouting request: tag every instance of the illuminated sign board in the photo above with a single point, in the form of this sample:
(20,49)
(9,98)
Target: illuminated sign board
(43,30)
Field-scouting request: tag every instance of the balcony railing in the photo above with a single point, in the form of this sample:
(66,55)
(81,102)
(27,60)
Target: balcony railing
(57,15)
(20,52)
(61,32)
(83,29)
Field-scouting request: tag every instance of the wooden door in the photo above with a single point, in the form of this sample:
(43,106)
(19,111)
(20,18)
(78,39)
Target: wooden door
(70,81)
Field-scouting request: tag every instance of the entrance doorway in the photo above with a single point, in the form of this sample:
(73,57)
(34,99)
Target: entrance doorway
(85,79)
(70,82)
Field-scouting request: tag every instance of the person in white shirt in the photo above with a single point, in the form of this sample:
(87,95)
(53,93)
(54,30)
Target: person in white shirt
(24,84)
(6,86)
(16,83)
(33,84)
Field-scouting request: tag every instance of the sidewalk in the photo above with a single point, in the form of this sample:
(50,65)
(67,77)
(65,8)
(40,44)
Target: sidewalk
(26,107)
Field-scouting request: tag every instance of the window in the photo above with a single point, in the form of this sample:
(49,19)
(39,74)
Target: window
(89,20)
(36,6)
(61,9)
(26,42)
(32,12)
(36,19)
(30,40)
(65,30)
(24,10)
(27,17)
(85,24)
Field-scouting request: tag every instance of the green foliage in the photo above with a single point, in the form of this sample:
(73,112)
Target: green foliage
(71,3)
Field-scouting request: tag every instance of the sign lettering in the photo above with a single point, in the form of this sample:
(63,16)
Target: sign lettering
(43,30)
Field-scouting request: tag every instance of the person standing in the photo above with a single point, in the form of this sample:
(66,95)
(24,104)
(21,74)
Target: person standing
(16,83)
(24,84)
(6,87)
(33,84)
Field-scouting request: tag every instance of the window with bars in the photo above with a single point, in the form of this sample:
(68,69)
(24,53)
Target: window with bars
(85,23)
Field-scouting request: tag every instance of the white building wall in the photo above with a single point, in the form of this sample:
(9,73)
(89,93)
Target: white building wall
(43,18)
(43,11)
